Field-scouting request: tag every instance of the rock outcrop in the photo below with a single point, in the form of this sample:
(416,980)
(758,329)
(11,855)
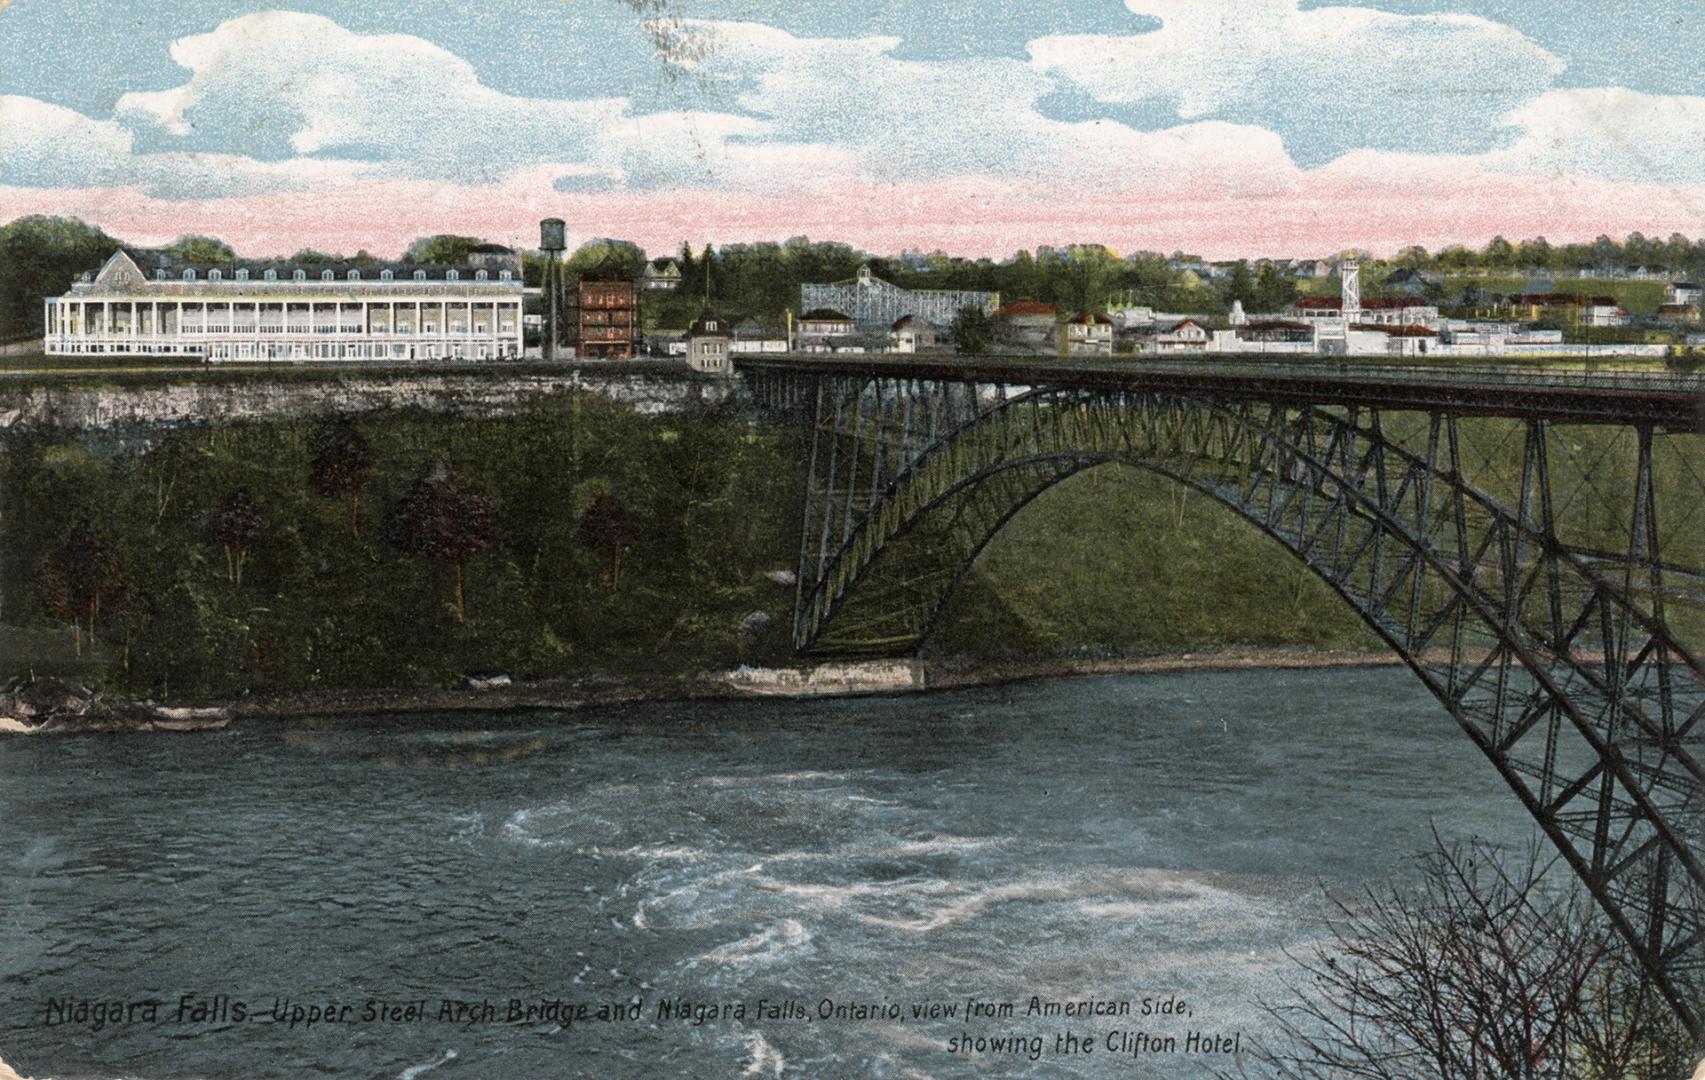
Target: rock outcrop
(50,706)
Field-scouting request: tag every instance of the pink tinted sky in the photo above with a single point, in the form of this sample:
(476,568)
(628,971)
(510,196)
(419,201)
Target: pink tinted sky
(972,217)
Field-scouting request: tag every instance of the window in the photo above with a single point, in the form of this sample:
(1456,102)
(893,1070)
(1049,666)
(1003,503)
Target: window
(270,275)
(420,275)
(214,275)
(242,275)
(505,275)
(327,275)
(160,273)
(710,326)
(452,275)
(189,275)
(353,275)
(299,275)
(480,275)
(385,275)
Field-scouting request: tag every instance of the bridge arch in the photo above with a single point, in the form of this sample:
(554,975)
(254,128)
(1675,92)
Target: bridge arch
(1556,661)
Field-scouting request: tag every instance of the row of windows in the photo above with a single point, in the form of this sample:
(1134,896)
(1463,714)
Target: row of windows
(328,275)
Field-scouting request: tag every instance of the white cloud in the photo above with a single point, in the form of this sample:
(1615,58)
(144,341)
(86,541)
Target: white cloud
(908,120)
(1610,134)
(1328,80)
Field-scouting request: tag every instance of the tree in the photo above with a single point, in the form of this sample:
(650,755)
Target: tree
(442,249)
(1273,291)
(607,528)
(201,250)
(443,517)
(41,256)
(1241,286)
(341,464)
(1487,970)
(972,331)
(83,576)
(1500,254)
(237,524)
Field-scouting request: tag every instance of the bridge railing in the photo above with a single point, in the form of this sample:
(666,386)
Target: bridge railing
(1522,374)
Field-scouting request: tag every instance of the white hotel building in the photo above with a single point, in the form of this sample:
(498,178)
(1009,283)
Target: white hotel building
(272,311)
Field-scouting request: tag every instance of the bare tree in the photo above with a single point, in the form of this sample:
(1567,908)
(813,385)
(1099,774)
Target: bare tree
(1487,970)
(237,524)
(607,528)
(341,464)
(444,517)
(83,577)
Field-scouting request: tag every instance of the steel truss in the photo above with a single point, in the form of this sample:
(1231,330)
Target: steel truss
(1557,661)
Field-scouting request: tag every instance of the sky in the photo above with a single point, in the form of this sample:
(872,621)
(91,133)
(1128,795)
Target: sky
(1220,127)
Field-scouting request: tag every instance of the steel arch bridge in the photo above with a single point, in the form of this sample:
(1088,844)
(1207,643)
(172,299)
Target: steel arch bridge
(1559,659)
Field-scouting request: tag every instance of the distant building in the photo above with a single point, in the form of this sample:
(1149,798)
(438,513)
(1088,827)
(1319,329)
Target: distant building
(1378,311)
(709,342)
(1573,309)
(875,305)
(1088,333)
(1405,281)
(661,275)
(749,337)
(608,326)
(1277,331)
(1188,336)
(1026,326)
(827,330)
(1410,340)
(911,334)
(276,311)
(1683,292)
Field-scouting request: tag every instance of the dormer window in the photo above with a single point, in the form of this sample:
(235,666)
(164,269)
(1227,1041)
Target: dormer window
(327,275)
(353,275)
(452,275)
(242,275)
(480,275)
(270,275)
(159,273)
(386,275)
(189,274)
(214,275)
(504,275)
(710,326)
(420,275)
(299,275)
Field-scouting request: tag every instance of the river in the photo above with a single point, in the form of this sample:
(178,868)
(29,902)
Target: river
(1159,838)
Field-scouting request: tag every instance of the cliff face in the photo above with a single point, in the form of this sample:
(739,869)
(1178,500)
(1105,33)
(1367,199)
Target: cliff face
(246,396)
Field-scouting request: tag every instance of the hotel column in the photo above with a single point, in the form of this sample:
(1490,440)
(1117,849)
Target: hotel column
(131,329)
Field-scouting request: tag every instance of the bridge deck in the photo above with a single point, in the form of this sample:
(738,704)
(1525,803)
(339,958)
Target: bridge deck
(1564,395)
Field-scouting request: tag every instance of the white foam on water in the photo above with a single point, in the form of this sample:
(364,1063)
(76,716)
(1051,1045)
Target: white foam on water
(414,1071)
(800,777)
(559,825)
(774,943)
(691,890)
(766,1059)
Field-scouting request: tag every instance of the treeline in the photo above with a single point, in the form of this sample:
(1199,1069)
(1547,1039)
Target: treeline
(41,256)
(404,549)
(1676,255)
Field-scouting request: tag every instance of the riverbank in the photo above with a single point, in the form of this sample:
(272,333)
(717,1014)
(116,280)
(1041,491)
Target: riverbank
(838,679)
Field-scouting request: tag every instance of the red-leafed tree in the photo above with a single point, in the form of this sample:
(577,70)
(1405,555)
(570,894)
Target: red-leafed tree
(607,528)
(237,524)
(83,577)
(444,517)
(341,464)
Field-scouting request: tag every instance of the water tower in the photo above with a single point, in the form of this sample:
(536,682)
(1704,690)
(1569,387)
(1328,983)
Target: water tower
(552,242)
